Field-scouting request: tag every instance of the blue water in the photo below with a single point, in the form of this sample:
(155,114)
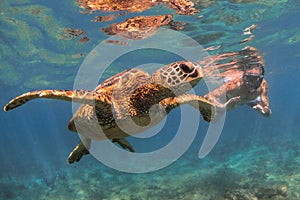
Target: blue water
(255,157)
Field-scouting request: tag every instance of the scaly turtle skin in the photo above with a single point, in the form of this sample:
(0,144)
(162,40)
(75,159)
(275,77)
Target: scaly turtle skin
(120,106)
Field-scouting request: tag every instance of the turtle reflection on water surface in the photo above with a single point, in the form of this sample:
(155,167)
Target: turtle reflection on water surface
(139,27)
(182,7)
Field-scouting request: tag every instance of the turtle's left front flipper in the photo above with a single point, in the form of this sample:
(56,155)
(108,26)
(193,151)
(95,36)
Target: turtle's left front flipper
(207,109)
(77,96)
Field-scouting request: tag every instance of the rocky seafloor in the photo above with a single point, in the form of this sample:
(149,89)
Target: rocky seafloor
(256,172)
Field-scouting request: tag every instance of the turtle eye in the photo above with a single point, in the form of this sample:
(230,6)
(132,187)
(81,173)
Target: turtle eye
(185,68)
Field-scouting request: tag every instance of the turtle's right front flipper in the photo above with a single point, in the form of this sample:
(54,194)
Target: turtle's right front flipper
(77,96)
(206,108)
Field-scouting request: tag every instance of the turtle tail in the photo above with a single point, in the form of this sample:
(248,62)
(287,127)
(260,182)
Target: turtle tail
(77,96)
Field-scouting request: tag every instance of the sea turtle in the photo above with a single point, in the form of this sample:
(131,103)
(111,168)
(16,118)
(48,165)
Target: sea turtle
(125,97)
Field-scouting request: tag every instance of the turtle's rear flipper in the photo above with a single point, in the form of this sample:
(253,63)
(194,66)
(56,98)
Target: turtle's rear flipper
(77,96)
(79,151)
(124,144)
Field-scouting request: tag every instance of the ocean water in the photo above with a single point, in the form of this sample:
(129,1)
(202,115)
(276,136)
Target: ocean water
(255,157)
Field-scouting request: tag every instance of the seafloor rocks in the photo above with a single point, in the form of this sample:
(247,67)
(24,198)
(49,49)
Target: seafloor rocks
(276,192)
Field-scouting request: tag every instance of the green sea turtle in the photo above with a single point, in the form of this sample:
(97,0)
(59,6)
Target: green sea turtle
(125,98)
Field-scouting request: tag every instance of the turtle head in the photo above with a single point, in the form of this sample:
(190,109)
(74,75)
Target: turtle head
(180,76)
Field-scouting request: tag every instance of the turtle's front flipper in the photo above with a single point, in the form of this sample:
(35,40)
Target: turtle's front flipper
(78,96)
(207,109)
(79,151)
(124,144)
